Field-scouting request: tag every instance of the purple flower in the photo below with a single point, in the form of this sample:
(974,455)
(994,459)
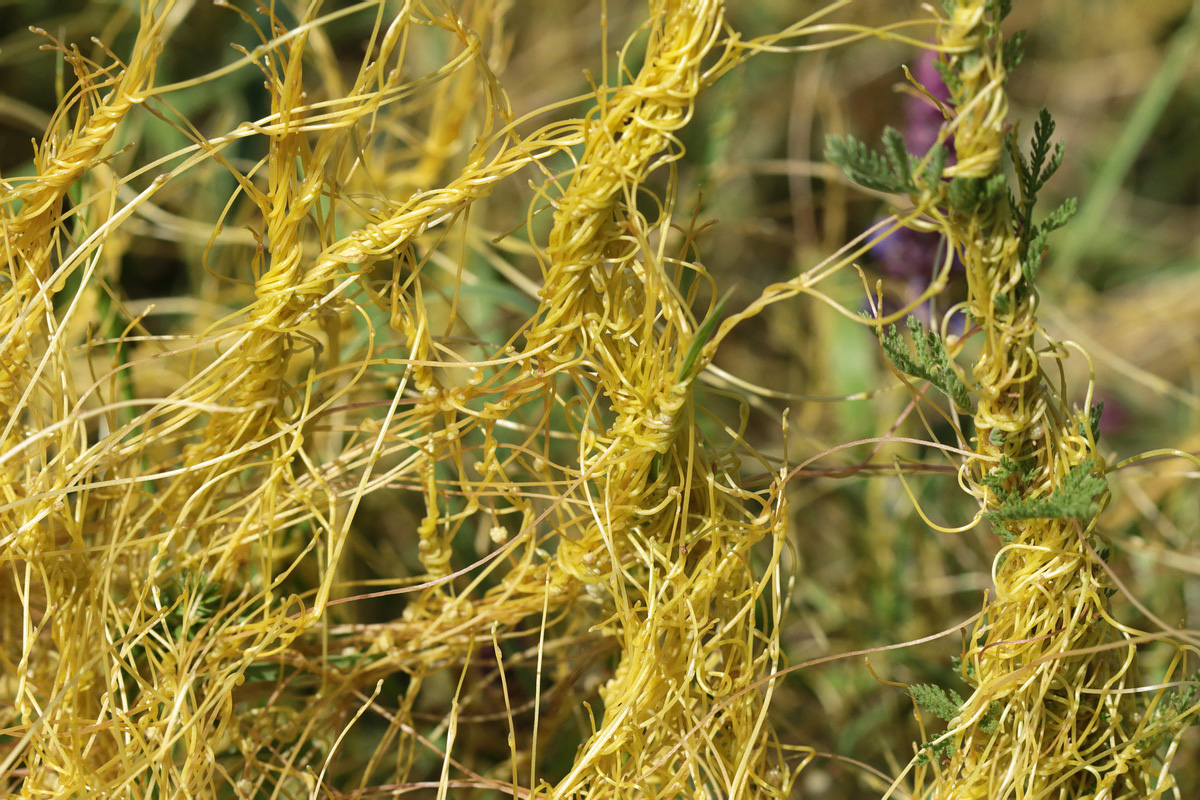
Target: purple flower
(911,257)
(908,255)
(923,119)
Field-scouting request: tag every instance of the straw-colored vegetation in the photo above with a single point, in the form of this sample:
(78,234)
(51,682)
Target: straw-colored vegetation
(383,413)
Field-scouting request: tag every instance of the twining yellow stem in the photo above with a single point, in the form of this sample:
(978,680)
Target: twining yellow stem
(32,215)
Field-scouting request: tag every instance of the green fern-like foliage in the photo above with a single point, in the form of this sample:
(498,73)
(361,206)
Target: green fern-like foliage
(947,704)
(932,362)
(1074,499)
(1037,242)
(967,194)
(942,703)
(888,171)
(1033,171)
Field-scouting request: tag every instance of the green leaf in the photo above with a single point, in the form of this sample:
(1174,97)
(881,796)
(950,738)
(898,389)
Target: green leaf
(942,704)
(936,700)
(1036,247)
(1032,173)
(947,705)
(1181,699)
(1060,216)
(949,76)
(991,718)
(932,174)
(967,194)
(1013,51)
(998,477)
(685,375)
(1043,162)
(1074,499)
(703,334)
(932,363)
(1002,303)
(889,172)
(1094,414)
(941,750)
(967,669)
(898,157)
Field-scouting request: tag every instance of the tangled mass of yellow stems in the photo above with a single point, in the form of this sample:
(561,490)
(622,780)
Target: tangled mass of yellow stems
(178,500)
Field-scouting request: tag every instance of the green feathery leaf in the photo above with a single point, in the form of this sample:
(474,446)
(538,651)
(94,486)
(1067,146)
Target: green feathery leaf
(940,702)
(1043,161)
(967,194)
(1036,247)
(1074,499)
(931,176)
(1013,51)
(949,76)
(1180,700)
(991,718)
(945,705)
(932,362)
(1094,414)
(889,172)
(998,478)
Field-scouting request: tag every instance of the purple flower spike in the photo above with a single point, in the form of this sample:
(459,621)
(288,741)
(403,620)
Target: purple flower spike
(906,254)
(910,258)
(924,119)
